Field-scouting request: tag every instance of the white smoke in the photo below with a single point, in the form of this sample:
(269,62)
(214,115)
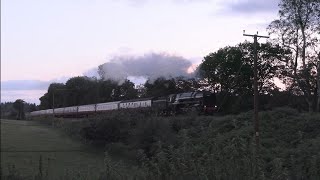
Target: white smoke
(150,66)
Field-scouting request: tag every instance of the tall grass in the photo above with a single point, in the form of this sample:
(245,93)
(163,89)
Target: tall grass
(205,147)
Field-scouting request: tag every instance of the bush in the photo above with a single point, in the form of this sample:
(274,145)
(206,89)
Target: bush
(209,147)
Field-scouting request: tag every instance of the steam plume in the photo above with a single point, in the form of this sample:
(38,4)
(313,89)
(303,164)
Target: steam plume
(150,66)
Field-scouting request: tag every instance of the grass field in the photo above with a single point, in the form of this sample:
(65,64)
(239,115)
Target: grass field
(24,142)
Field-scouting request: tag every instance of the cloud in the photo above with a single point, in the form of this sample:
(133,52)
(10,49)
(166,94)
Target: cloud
(149,66)
(139,3)
(30,96)
(28,90)
(133,3)
(92,73)
(191,1)
(251,6)
(24,85)
(30,84)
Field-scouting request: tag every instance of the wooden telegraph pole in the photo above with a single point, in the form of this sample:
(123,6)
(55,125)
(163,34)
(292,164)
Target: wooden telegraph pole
(53,102)
(256,93)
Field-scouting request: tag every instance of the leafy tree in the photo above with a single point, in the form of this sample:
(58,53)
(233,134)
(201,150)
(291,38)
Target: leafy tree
(18,105)
(54,89)
(82,90)
(222,69)
(186,85)
(230,73)
(106,88)
(125,91)
(296,29)
(9,112)
(160,87)
(230,69)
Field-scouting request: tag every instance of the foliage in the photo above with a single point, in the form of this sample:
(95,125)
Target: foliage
(10,110)
(297,30)
(81,90)
(30,150)
(85,90)
(18,105)
(125,91)
(46,101)
(230,69)
(204,147)
(160,87)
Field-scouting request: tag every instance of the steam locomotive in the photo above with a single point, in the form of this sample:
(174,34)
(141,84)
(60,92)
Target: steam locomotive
(200,102)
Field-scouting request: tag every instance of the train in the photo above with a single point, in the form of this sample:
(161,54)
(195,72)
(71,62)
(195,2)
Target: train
(199,101)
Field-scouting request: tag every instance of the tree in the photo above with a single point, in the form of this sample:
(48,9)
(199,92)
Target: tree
(18,105)
(230,69)
(160,87)
(221,69)
(10,110)
(125,91)
(106,87)
(296,29)
(81,90)
(230,73)
(54,89)
(30,107)
(187,85)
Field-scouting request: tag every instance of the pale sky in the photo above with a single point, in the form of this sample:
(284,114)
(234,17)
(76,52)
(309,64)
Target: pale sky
(44,40)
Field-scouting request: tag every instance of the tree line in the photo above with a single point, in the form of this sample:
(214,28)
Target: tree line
(89,90)
(16,110)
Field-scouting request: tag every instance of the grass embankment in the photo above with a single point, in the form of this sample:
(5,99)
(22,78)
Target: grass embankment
(24,142)
(206,147)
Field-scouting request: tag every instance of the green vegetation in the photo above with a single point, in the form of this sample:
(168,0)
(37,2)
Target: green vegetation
(16,110)
(207,147)
(297,29)
(24,143)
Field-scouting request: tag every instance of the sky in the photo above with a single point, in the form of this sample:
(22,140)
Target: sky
(46,41)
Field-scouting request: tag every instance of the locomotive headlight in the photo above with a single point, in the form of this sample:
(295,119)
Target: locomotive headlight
(215,106)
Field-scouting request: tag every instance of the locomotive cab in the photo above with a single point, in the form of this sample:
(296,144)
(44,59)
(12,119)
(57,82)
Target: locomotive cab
(209,103)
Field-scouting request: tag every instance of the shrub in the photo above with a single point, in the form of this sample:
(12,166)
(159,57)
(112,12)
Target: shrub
(209,147)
